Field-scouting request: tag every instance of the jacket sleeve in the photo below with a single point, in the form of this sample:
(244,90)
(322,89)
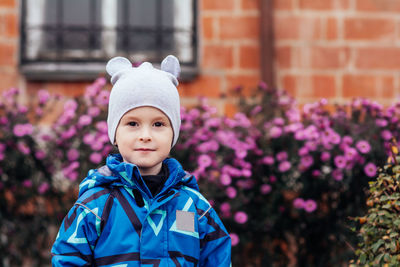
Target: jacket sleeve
(76,238)
(215,241)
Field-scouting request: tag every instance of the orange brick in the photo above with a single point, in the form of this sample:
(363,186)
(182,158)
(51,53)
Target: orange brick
(217,5)
(324,86)
(378,58)
(290,84)
(367,86)
(387,87)
(323,5)
(8,25)
(217,56)
(230,109)
(297,27)
(8,55)
(331,28)
(242,27)
(7,3)
(207,86)
(283,57)
(250,57)
(310,86)
(208,28)
(8,80)
(251,4)
(69,89)
(329,57)
(369,29)
(378,5)
(247,82)
(283,4)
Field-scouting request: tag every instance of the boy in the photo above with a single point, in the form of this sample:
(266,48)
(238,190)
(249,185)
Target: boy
(142,208)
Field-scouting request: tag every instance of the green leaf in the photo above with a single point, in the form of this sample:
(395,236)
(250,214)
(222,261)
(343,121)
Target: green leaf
(377,245)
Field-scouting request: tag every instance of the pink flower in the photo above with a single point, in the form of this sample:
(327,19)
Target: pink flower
(325,156)
(381,122)
(43,96)
(234,239)
(347,140)
(85,120)
(284,166)
(94,111)
(23,148)
(298,203)
(72,154)
(103,97)
(303,151)
(246,173)
(265,189)
(211,145)
(40,154)
(268,160)
(225,207)
(386,135)
(27,183)
(204,161)
(282,156)
(241,153)
(275,132)
(20,130)
(337,175)
(225,179)
(340,162)
(272,179)
(241,217)
(88,139)
(95,157)
(257,109)
(306,161)
(231,192)
(71,105)
(370,169)
(102,126)
(350,153)
(43,188)
(310,206)
(363,146)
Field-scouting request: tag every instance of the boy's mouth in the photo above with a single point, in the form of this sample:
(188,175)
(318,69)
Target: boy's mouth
(144,149)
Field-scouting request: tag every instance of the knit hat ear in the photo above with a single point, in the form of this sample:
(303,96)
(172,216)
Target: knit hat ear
(115,65)
(171,65)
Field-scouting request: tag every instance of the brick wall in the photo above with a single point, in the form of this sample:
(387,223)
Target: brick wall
(229,51)
(338,49)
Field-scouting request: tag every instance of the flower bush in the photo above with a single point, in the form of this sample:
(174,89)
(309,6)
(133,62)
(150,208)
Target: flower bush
(284,179)
(379,227)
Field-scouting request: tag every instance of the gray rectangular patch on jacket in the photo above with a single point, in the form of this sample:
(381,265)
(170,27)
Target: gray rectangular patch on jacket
(185,220)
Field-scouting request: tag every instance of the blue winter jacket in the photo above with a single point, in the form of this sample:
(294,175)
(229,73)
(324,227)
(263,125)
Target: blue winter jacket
(117,222)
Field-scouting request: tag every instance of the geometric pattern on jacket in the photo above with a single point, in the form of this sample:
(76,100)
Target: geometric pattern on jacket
(117,222)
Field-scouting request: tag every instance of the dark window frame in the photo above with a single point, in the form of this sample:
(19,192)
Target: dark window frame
(84,69)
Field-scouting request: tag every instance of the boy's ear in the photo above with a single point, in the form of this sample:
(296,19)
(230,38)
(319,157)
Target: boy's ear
(116,64)
(171,65)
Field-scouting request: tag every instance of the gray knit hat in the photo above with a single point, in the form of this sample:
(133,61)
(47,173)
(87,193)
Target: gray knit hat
(143,86)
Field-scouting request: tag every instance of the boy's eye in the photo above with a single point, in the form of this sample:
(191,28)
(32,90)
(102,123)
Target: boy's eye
(158,124)
(132,123)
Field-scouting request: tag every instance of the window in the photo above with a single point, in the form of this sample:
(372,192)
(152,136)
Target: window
(72,39)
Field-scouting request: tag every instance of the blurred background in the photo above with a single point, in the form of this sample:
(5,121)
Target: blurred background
(275,76)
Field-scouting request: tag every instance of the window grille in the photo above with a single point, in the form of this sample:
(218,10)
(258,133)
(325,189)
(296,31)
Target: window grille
(74,38)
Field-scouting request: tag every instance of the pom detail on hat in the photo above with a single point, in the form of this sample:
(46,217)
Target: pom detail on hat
(117,64)
(171,64)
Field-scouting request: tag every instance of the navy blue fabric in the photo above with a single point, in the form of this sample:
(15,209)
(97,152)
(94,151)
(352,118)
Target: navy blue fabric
(107,226)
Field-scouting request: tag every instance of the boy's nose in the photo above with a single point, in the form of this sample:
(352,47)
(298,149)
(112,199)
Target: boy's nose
(145,136)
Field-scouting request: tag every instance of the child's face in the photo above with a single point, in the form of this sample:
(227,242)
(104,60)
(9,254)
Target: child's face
(144,138)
